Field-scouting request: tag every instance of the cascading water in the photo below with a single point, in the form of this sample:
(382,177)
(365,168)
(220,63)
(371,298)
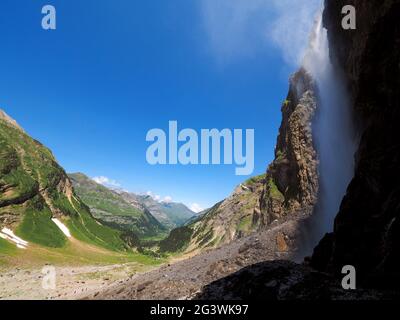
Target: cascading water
(334,133)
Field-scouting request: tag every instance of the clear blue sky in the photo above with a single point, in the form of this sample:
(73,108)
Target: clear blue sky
(113,70)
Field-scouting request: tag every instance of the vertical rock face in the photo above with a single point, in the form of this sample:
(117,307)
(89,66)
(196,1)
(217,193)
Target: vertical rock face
(292,178)
(367,227)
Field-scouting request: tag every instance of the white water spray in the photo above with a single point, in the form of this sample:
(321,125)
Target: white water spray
(334,133)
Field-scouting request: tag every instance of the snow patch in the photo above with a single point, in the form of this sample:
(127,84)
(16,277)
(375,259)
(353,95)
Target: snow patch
(9,235)
(62,227)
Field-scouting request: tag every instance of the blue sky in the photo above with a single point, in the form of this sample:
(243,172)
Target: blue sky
(113,70)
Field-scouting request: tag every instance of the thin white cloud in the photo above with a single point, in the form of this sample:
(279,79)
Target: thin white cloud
(240,28)
(155,197)
(105,181)
(167,199)
(195,207)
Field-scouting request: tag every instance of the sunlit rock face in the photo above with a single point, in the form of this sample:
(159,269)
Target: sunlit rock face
(292,182)
(366,229)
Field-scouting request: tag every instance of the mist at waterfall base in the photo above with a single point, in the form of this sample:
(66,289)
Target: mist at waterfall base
(333,133)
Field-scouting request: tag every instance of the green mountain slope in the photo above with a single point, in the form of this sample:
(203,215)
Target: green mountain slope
(232,218)
(112,209)
(34,189)
(170,214)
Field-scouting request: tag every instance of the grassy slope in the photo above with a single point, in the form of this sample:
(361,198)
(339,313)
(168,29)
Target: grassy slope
(201,232)
(101,198)
(26,167)
(120,213)
(74,253)
(37,227)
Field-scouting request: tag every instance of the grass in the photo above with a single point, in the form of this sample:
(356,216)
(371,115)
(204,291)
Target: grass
(113,210)
(177,240)
(7,247)
(256,179)
(74,253)
(107,202)
(274,191)
(85,228)
(38,228)
(26,166)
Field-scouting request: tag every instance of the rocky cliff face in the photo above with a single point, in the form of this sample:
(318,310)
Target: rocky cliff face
(232,218)
(367,227)
(292,178)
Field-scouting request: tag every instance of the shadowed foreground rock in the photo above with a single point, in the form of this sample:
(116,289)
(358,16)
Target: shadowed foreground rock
(367,228)
(284,280)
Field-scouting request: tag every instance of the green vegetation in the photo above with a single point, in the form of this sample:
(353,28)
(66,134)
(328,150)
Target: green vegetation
(29,174)
(274,191)
(204,240)
(7,248)
(279,155)
(111,209)
(177,240)
(72,254)
(83,227)
(37,227)
(286,103)
(257,179)
(105,200)
(34,188)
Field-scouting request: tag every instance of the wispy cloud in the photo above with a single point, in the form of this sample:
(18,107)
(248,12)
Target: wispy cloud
(241,28)
(195,207)
(167,199)
(105,181)
(155,197)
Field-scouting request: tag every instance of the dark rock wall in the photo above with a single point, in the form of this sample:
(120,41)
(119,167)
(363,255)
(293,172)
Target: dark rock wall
(366,230)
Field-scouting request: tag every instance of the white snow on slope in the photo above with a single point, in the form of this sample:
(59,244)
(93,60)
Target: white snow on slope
(9,235)
(62,227)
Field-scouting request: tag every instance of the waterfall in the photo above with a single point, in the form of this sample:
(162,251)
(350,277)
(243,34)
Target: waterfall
(333,130)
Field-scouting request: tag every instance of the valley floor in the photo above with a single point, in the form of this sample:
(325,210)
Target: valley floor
(139,277)
(79,268)
(72,282)
(184,279)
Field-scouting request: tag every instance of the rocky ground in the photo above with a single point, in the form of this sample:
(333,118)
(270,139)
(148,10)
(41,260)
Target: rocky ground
(286,280)
(71,282)
(184,279)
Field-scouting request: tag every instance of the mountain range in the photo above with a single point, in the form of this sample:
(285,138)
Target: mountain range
(35,190)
